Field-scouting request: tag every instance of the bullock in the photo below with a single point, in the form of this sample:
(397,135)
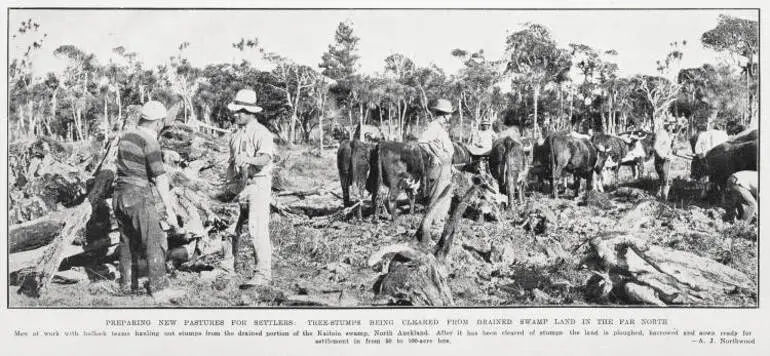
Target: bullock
(541,160)
(745,136)
(509,165)
(353,166)
(397,166)
(617,150)
(577,155)
(723,160)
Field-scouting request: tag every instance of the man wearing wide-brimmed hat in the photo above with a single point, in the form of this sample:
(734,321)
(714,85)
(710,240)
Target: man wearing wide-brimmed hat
(139,166)
(251,162)
(663,149)
(435,140)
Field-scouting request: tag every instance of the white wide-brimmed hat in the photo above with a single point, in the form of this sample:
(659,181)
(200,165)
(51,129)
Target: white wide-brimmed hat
(153,110)
(443,105)
(245,99)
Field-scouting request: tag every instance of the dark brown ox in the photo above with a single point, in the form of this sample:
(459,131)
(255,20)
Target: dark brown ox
(509,165)
(723,160)
(576,155)
(397,166)
(353,166)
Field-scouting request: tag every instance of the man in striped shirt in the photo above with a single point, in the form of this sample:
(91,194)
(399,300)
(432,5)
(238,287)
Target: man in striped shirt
(139,167)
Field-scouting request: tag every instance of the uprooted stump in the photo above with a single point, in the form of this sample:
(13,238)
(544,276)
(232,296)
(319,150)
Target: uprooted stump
(413,276)
(630,270)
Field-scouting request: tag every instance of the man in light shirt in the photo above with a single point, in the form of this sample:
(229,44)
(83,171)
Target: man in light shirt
(663,154)
(742,192)
(435,140)
(481,142)
(251,162)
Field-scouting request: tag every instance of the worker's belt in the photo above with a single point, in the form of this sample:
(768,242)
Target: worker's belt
(133,181)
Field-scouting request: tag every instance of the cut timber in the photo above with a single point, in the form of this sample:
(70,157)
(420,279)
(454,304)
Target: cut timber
(36,233)
(34,284)
(672,276)
(25,263)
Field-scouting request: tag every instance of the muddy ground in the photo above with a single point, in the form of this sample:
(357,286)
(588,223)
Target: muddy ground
(323,262)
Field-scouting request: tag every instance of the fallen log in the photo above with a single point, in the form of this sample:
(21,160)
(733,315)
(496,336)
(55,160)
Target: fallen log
(635,271)
(35,283)
(36,233)
(22,264)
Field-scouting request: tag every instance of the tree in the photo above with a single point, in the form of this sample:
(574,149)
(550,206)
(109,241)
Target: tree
(476,83)
(659,91)
(20,79)
(294,81)
(79,77)
(739,37)
(341,58)
(340,63)
(534,57)
(713,94)
(184,80)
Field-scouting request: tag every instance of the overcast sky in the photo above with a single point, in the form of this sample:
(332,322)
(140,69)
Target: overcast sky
(426,36)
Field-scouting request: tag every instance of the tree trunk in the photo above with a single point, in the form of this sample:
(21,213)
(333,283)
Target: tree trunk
(105,119)
(390,121)
(460,110)
(561,106)
(360,122)
(350,121)
(321,131)
(32,118)
(571,106)
(120,108)
(536,97)
(54,101)
(749,117)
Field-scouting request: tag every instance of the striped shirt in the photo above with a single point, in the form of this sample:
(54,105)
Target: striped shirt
(139,157)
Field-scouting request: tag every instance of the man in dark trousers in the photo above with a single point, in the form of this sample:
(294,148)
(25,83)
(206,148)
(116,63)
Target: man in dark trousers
(139,169)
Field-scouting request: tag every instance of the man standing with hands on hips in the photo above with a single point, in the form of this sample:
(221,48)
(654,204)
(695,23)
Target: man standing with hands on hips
(251,163)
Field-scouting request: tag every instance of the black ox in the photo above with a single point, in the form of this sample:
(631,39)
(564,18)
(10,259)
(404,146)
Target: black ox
(397,166)
(720,162)
(577,155)
(509,165)
(353,167)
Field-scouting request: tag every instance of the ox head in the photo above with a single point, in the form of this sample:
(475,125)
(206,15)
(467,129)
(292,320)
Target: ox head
(603,158)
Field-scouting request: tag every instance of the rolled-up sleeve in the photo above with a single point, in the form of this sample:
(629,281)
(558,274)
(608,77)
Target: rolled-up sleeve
(265,144)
